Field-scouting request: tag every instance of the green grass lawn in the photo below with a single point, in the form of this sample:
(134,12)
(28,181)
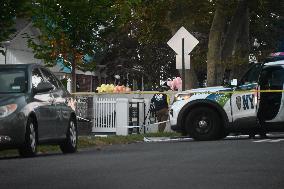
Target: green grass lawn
(96,142)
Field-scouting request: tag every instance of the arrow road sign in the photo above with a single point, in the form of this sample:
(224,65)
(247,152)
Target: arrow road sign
(183,43)
(179,62)
(189,41)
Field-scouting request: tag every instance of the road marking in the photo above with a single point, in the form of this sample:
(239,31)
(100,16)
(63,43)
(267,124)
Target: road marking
(236,137)
(276,140)
(166,139)
(264,140)
(269,140)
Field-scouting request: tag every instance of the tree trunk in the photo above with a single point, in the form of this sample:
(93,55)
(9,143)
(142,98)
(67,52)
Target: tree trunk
(220,51)
(73,75)
(234,30)
(215,43)
(242,48)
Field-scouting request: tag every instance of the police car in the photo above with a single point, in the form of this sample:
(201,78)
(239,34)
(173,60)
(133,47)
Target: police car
(254,104)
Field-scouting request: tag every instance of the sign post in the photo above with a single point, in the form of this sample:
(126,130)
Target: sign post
(183,66)
(183,43)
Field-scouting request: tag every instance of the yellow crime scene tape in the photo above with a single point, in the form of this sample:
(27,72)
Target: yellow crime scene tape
(133,92)
(175,92)
(239,91)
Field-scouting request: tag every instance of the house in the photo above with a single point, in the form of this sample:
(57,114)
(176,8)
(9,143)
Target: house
(18,52)
(16,47)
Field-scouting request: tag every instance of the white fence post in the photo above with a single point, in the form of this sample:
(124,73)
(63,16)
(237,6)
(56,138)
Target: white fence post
(95,112)
(122,114)
(69,85)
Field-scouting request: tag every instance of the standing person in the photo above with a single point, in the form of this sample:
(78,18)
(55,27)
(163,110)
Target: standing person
(160,103)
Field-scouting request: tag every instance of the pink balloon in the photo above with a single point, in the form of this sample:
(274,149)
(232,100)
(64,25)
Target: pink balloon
(169,83)
(119,88)
(173,84)
(123,88)
(179,83)
(127,89)
(115,89)
(179,79)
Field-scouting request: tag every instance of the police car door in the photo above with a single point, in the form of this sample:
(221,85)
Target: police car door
(271,104)
(244,100)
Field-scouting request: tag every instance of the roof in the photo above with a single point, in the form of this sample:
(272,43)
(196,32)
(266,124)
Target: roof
(23,66)
(20,25)
(14,65)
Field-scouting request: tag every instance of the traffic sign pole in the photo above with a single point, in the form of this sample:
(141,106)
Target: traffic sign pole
(183,66)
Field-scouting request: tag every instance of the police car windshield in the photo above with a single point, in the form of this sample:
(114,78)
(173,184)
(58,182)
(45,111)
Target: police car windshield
(12,80)
(252,75)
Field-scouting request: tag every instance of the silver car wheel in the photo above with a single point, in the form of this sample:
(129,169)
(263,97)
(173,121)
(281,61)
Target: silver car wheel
(73,134)
(32,137)
(29,147)
(70,143)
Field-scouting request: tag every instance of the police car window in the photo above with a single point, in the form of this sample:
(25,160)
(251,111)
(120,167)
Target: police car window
(272,78)
(36,78)
(50,78)
(252,75)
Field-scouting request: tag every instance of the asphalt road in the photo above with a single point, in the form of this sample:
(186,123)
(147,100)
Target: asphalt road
(231,163)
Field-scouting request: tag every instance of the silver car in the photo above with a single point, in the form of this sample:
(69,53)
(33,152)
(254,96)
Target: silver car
(35,109)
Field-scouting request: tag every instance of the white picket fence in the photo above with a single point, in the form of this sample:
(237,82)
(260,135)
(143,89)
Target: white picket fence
(110,113)
(104,115)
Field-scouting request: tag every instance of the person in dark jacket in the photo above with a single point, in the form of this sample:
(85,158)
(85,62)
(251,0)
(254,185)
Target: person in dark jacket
(160,106)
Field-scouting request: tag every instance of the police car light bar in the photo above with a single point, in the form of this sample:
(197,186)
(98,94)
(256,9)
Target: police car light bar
(275,57)
(276,54)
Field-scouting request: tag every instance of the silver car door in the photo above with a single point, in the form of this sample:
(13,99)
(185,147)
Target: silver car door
(44,103)
(59,101)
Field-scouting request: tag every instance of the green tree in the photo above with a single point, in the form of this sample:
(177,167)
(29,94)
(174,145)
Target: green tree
(267,26)
(10,9)
(232,34)
(153,23)
(69,29)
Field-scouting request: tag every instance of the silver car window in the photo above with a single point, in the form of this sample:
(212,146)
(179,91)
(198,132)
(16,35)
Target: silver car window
(12,80)
(36,78)
(50,78)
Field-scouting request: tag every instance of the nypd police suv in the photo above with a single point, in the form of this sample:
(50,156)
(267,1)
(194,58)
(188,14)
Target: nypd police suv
(254,104)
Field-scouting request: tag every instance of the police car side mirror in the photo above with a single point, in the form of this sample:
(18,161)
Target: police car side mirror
(234,82)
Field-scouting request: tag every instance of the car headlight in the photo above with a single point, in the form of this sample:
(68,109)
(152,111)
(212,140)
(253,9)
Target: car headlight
(182,97)
(7,110)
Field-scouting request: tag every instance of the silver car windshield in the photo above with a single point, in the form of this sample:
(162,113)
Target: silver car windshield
(12,80)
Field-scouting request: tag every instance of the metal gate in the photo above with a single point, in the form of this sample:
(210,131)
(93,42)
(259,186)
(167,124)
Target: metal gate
(137,115)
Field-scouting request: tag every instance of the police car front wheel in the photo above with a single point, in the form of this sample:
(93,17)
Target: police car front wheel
(203,123)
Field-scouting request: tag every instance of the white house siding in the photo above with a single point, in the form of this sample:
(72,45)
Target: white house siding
(2,58)
(18,51)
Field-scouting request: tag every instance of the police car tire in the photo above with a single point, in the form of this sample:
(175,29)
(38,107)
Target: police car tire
(203,123)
